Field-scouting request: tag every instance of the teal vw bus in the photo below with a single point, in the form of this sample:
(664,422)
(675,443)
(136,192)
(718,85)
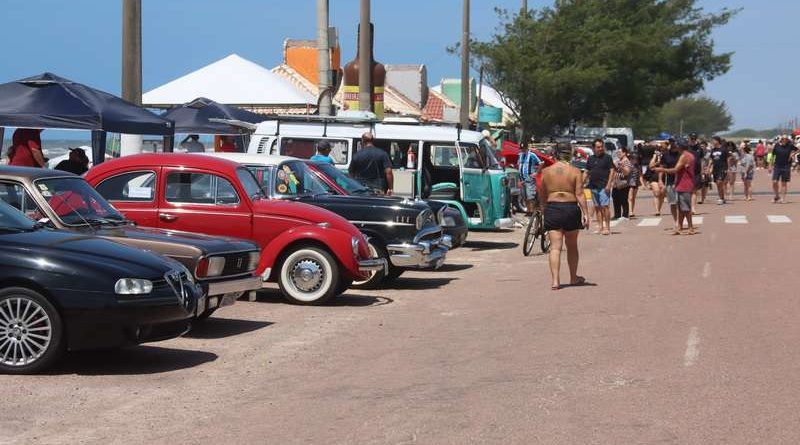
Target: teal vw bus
(446,163)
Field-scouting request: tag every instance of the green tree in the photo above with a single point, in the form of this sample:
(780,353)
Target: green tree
(700,115)
(584,59)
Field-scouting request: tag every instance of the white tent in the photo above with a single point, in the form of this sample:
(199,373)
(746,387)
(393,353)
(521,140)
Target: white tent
(233,80)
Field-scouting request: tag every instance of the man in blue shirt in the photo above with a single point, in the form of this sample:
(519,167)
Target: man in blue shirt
(323,152)
(528,167)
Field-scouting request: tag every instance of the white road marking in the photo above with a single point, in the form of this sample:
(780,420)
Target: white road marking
(707,269)
(697,220)
(649,222)
(779,219)
(692,348)
(735,219)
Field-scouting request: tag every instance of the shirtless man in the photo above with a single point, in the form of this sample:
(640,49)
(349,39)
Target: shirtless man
(565,213)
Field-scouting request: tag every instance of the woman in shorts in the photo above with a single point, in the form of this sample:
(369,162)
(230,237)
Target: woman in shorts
(652,181)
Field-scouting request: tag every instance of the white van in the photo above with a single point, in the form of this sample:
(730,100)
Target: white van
(446,163)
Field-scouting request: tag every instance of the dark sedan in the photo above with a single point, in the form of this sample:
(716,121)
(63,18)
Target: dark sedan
(65,291)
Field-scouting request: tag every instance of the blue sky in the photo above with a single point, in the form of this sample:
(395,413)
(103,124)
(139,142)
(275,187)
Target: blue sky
(83,41)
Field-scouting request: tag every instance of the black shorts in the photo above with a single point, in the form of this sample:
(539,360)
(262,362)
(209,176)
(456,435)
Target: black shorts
(720,175)
(564,216)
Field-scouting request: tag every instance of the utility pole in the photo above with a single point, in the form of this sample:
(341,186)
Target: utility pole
(464,110)
(323,52)
(365,60)
(132,51)
(525,7)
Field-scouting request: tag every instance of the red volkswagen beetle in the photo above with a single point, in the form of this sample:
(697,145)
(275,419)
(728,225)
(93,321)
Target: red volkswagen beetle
(312,253)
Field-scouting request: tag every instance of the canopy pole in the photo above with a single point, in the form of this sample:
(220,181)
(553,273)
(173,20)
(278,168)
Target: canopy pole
(169,144)
(98,146)
(2,133)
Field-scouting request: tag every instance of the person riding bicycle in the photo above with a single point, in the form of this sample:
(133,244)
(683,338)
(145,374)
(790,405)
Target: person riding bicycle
(529,165)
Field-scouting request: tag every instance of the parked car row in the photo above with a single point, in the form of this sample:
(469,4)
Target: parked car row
(145,245)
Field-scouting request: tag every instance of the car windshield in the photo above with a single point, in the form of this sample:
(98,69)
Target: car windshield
(14,220)
(296,178)
(76,203)
(350,185)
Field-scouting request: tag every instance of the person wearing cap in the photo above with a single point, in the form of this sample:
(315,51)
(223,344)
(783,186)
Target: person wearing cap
(781,166)
(192,144)
(77,163)
(323,153)
(529,165)
(565,213)
(683,185)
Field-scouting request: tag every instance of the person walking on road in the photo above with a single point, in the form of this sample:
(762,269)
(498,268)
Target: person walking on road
(697,151)
(622,172)
(651,178)
(565,214)
(719,166)
(668,161)
(372,166)
(600,178)
(529,165)
(634,181)
(733,169)
(684,184)
(747,168)
(781,167)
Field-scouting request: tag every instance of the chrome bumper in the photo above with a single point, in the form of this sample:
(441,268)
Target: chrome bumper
(420,255)
(371,265)
(241,285)
(504,223)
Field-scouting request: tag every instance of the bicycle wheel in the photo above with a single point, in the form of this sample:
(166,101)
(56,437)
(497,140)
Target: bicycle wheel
(532,231)
(544,243)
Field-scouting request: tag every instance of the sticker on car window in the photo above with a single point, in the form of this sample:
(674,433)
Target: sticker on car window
(42,186)
(140,192)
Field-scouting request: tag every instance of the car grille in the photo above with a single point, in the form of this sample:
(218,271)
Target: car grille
(180,282)
(237,263)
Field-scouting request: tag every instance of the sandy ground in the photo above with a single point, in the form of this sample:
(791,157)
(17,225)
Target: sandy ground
(689,339)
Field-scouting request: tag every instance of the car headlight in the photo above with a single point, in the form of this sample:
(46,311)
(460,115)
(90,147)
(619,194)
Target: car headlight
(253,260)
(133,286)
(448,221)
(210,267)
(423,218)
(354,245)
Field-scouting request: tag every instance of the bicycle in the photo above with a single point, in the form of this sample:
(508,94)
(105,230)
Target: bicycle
(534,231)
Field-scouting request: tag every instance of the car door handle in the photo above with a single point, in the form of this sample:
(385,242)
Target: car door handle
(167,217)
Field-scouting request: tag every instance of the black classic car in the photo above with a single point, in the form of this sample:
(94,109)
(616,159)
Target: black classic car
(450,219)
(404,232)
(224,267)
(65,291)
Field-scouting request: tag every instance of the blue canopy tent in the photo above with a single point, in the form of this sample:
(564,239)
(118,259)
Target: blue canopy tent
(193,117)
(50,101)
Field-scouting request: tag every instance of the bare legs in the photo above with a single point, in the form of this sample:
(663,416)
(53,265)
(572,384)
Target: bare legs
(632,200)
(748,190)
(658,196)
(721,190)
(731,184)
(557,240)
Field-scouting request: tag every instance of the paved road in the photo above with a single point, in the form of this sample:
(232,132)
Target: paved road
(682,340)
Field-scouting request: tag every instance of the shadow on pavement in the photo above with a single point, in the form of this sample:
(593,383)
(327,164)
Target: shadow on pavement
(418,283)
(453,267)
(345,299)
(224,327)
(130,361)
(489,245)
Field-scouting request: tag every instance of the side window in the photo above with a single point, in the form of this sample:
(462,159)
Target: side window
(15,195)
(305,148)
(470,156)
(200,188)
(444,155)
(133,186)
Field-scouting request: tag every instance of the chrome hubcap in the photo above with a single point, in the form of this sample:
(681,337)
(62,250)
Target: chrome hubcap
(25,331)
(307,275)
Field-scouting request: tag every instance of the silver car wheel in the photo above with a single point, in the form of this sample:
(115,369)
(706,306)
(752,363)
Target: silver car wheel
(25,331)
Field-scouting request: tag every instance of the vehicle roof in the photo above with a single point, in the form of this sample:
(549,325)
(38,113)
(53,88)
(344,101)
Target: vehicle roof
(32,173)
(356,129)
(253,159)
(169,160)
